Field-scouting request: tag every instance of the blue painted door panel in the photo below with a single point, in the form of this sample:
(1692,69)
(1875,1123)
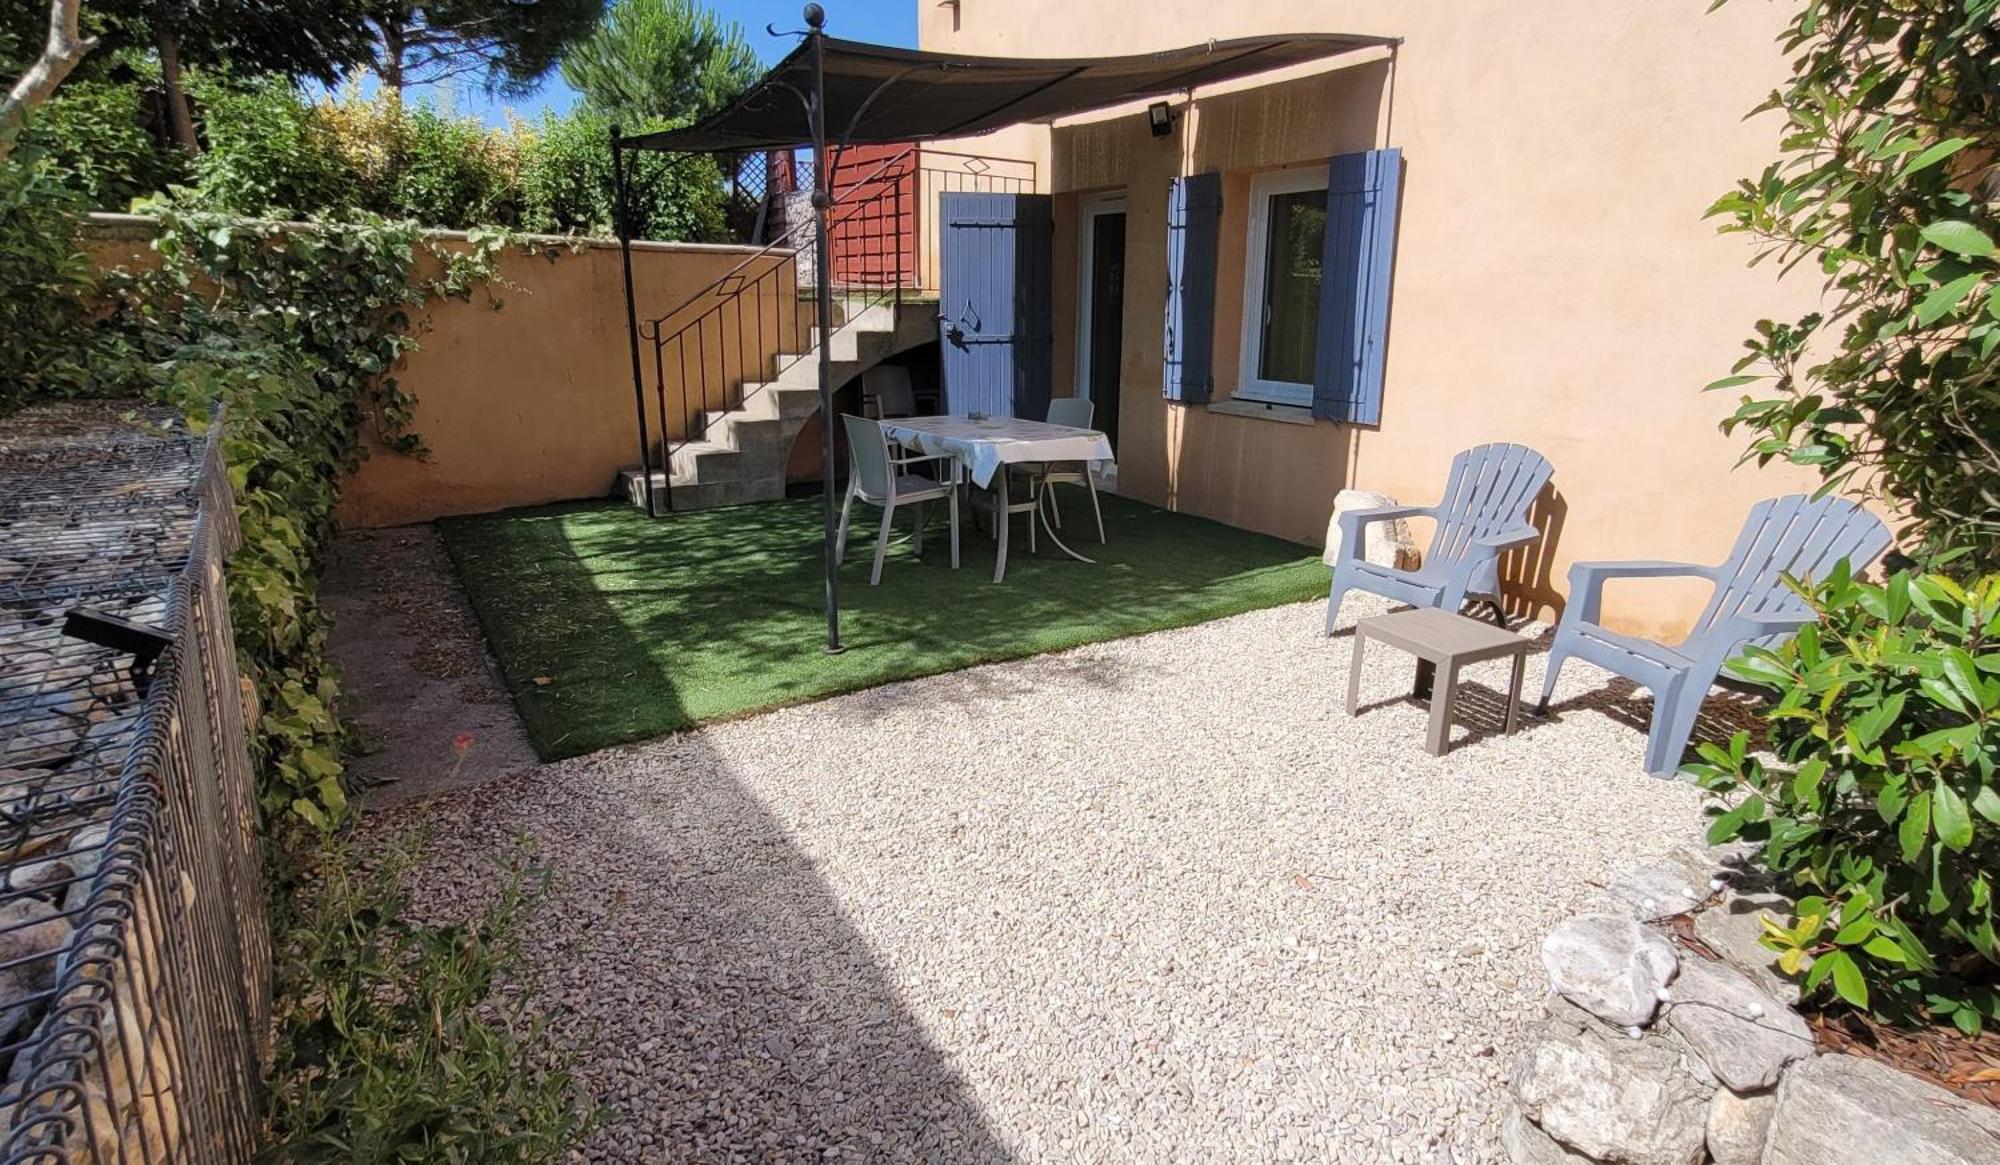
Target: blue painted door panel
(995,309)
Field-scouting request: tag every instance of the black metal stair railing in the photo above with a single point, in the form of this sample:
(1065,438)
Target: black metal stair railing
(753,310)
(713,351)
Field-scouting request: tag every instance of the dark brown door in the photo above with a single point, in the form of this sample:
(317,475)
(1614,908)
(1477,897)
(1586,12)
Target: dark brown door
(1107,317)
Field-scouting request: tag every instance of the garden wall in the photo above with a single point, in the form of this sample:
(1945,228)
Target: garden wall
(528,404)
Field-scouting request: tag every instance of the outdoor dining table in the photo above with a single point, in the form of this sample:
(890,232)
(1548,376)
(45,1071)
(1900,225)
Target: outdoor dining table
(984,447)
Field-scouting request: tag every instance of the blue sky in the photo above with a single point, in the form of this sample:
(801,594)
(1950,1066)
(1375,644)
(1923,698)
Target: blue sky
(882,21)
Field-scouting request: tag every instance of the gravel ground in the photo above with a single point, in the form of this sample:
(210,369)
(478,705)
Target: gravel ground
(1151,900)
(414,670)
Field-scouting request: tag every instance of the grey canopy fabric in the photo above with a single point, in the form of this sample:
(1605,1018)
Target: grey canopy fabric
(878,94)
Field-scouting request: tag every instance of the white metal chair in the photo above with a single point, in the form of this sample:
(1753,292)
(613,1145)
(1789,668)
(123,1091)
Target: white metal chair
(879,478)
(1077,413)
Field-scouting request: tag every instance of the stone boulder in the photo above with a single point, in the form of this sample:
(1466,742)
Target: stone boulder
(32,935)
(1738,1126)
(1385,543)
(1528,1145)
(1846,1110)
(1610,966)
(1734,928)
(1744,1036)
(1610,1097)
(1652,892)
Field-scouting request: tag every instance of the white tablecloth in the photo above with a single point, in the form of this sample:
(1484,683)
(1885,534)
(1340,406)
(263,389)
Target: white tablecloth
(984,446)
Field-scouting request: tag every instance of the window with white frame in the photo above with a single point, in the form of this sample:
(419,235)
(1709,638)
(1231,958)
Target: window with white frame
(1281,286)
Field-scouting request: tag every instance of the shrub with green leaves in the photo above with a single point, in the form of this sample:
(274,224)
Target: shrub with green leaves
(96,133)
(268,154)
(1884,811)
(566,185)
(46,286)
(1890,155)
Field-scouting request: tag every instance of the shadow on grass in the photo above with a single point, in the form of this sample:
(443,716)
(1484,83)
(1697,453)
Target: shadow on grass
(610,627)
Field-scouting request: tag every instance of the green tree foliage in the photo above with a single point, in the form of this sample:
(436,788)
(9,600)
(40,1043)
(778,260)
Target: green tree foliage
(566,185)
(508,44)
(1884,812)
(45,286)
(98,134)
(269,155)
(660,61)
(1886,184)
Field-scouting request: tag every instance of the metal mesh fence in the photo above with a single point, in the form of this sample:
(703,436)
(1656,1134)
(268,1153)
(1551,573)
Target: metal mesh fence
(134,951)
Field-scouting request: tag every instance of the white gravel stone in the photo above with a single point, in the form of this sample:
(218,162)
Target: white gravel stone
(1150,900)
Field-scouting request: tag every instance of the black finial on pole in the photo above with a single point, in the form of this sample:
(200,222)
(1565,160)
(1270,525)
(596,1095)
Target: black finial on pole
(815,17)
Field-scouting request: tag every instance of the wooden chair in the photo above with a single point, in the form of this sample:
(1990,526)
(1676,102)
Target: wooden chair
(1793,535)
(878,478)
(1483,515)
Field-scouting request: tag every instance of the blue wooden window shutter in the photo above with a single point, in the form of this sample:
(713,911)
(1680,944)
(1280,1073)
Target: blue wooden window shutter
(1194,222)
(1360,251)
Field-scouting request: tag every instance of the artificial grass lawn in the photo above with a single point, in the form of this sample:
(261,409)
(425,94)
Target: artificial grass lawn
(612,627)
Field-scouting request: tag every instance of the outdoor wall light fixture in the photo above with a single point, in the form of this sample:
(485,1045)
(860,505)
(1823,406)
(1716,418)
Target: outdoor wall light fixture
(1160,117)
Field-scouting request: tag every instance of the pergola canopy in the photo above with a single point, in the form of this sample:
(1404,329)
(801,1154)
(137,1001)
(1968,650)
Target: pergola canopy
(878,94)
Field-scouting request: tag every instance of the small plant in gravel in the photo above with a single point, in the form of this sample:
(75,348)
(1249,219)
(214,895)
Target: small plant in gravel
(1883,813)
(392,1045)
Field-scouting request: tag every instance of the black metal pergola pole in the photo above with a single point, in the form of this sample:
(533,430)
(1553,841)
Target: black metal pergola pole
(822,200)
(622,220)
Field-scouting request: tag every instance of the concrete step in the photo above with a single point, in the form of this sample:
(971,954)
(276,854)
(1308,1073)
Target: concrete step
(780,400)
(806,372)
(710,461)
(742,430)
(693,495)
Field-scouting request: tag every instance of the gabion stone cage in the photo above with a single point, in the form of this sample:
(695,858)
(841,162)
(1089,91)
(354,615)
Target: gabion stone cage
(134,952)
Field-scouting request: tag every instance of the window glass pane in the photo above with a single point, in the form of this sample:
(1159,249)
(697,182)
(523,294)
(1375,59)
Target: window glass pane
(1297,227)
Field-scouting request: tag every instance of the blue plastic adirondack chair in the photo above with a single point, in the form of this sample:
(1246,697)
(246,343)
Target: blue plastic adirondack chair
(1793,535)
(1484,514)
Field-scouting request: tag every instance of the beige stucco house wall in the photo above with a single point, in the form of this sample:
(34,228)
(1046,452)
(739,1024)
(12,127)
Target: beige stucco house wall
(1555,283)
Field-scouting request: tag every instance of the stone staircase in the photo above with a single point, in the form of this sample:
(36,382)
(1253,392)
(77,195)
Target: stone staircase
(742,453)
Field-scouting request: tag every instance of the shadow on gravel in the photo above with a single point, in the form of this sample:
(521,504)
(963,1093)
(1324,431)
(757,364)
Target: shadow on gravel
(719,1002)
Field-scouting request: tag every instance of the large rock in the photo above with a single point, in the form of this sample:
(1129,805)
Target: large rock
(1744,1036)
(1610,966)
(32,934)
(1734,928)
(1528,1145)
(1846,1110)
(1651,892)
(1610,1097)
(1384,543)
(1738,1126)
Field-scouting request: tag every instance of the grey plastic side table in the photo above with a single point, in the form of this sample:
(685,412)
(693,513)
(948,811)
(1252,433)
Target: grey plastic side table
(1442,642)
